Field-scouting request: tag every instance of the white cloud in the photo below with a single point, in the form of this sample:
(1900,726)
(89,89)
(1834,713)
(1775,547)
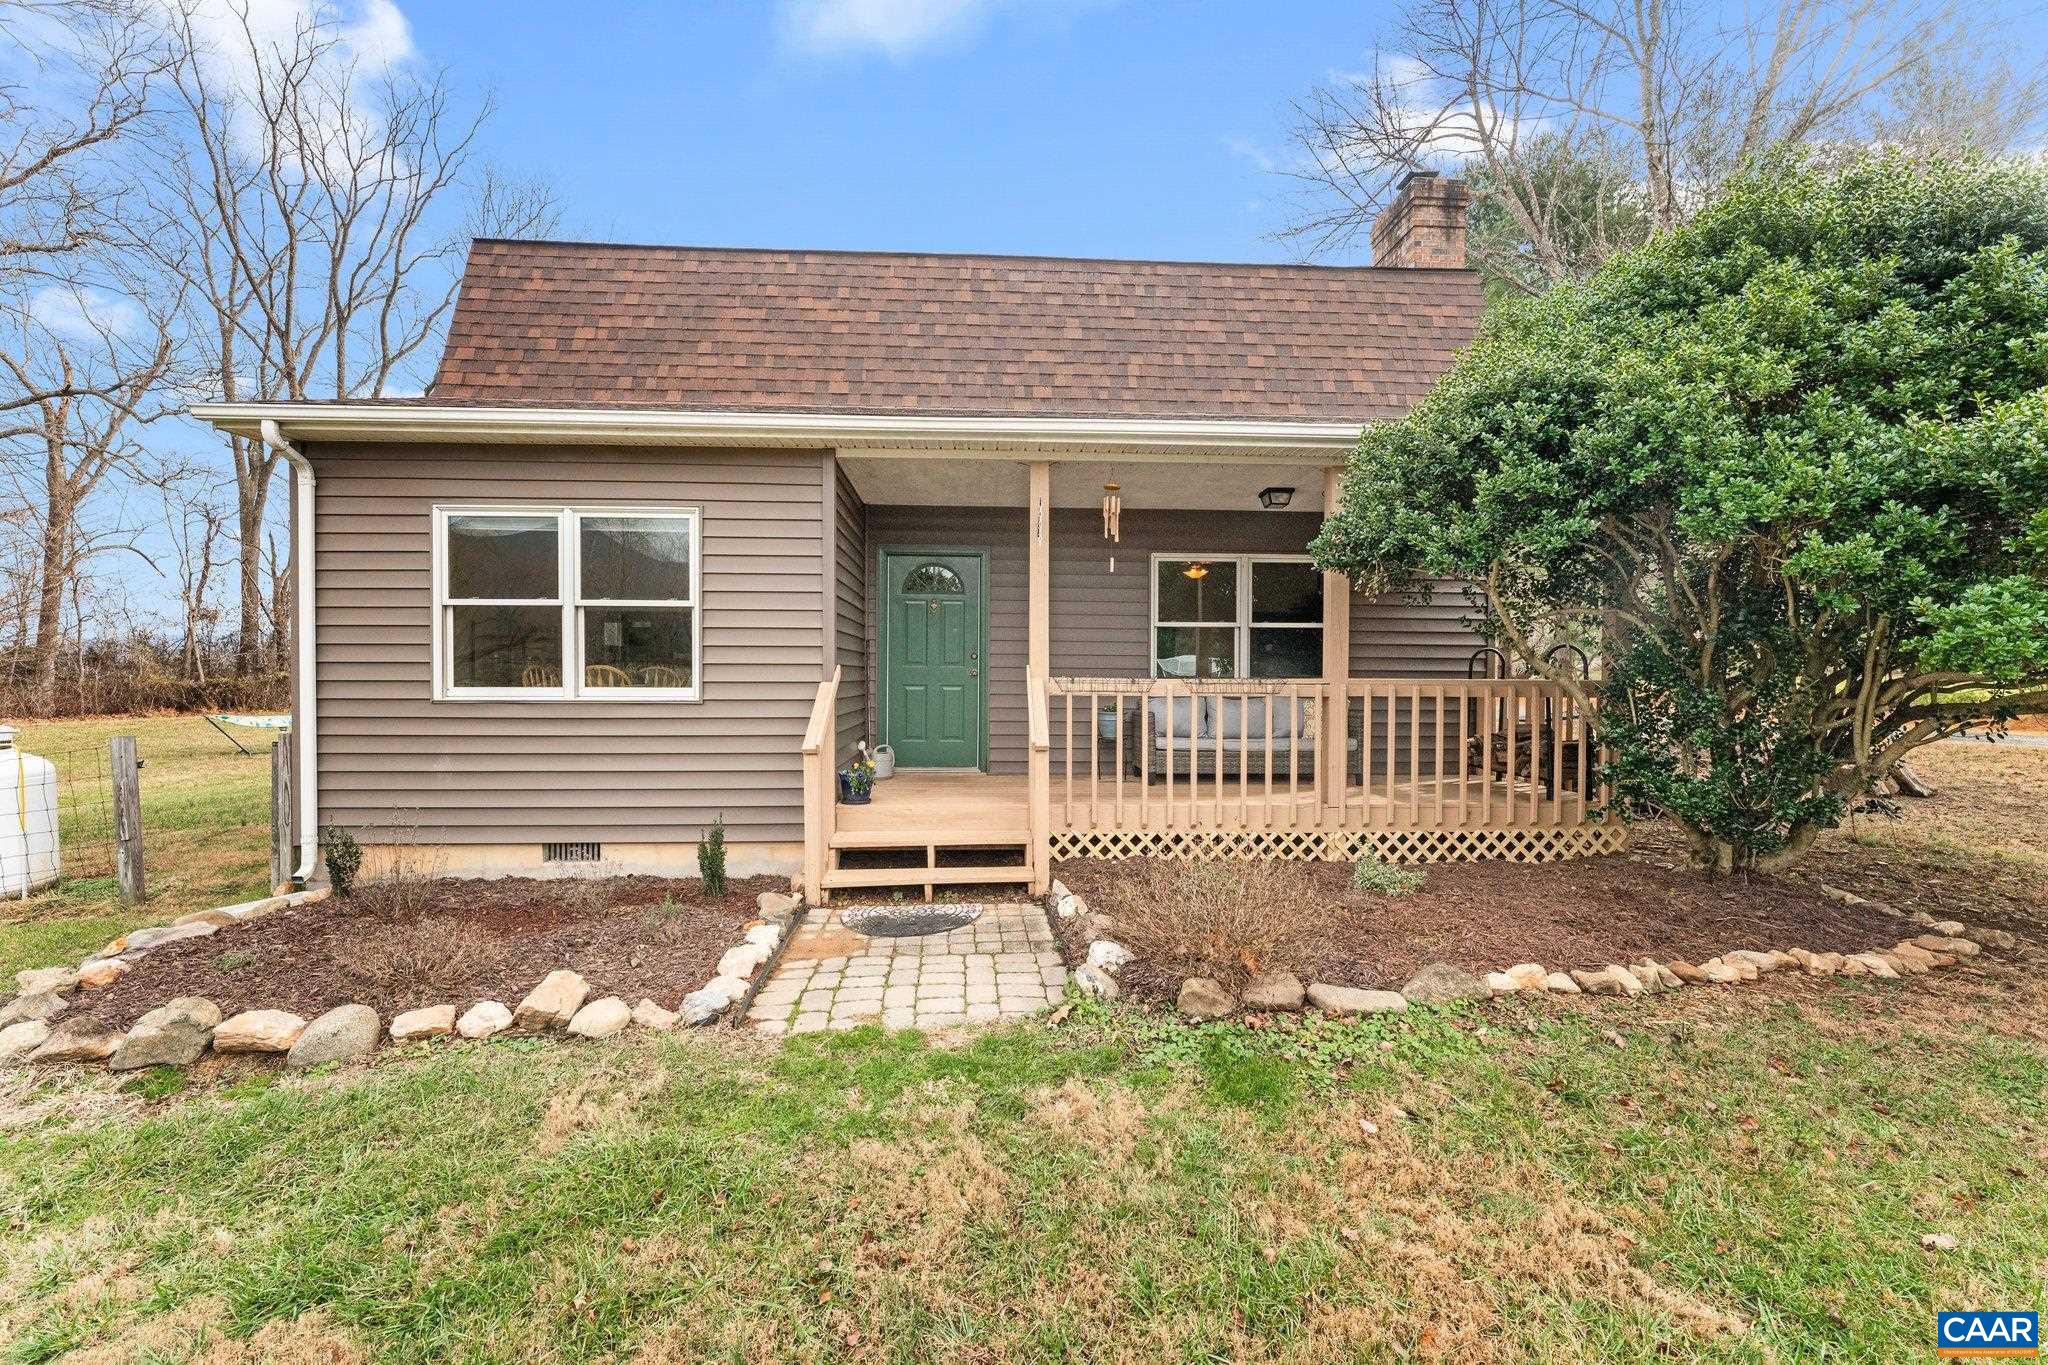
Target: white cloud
(895,28)
(373,34)
(83,313)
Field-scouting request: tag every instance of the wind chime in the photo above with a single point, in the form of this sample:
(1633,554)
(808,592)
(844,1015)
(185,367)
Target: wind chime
(1112,518)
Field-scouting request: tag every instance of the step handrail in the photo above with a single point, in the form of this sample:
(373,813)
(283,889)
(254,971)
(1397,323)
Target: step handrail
(1038,708)
(820,796)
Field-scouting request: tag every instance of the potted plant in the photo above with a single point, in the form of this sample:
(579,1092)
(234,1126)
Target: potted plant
(857,779)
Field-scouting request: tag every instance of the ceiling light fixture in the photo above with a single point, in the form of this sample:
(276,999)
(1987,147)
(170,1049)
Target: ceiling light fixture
(1275,497)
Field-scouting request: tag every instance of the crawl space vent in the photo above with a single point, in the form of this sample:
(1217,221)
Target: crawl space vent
(571,853)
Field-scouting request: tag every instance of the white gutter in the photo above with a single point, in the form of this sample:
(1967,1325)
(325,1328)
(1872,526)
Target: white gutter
(305,724)
(1188,438)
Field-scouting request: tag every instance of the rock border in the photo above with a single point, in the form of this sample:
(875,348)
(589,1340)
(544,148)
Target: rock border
(180,1031)
(1203,998)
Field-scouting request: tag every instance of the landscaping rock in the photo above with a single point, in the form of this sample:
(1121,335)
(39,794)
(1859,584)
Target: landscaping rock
(1722,973)
(101,971)
(1823,964)
(765,936)
(142,940)
(1068,906)
(1995,938)
(484,1019)
(219,919)
(43,1005)
(1108,955)
(1686,972)
(1763,962)
(1439,983)
(1844,897)
(1057,890)
(1528,975)
(172,1034)
(1851,967)
(1783,958)
(434,1021)
(601,1018)
(1346,1000)
(248,910)
(345,1033)
(1609,980)
(195,1010)
(1947,943)
(1917,956)
(1274,991)
(1500,983)
(258,1031)
(41,980)
(1562,984)
(20,1039)
(1666,978)
(78,1040)
(1744,971)
(1948,928)
(554,1002)
(647,1014)
(777,905)
(1092,980)
(702,1006)
(1874,965)
(1203,997)
(741,960)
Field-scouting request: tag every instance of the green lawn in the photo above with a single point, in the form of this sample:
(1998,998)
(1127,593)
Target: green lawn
(1745,1176)
(206,823)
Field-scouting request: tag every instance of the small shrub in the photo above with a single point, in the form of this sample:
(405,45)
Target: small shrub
(711,858)
(1383,878)
(1226,920)
(237,959)
(344,858)
(431,954)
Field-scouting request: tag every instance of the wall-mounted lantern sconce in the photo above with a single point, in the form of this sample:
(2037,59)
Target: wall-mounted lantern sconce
(1275,498)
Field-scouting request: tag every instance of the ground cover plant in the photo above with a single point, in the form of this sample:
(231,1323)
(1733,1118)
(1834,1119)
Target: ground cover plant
(1789,459)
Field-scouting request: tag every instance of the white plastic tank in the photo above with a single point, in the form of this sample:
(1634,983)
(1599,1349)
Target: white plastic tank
(28,819)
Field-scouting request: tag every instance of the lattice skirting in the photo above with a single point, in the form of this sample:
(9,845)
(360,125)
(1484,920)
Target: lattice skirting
(1535,845)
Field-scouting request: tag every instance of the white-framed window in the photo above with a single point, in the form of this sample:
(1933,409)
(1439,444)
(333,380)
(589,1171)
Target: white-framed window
(1236,616)
(564,603)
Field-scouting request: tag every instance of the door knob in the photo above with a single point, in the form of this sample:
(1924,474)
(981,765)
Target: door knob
(973,672)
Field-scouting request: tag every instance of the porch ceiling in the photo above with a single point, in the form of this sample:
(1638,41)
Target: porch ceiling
(1204,486)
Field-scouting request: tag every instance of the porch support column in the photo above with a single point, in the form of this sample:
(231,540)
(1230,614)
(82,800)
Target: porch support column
(1038,518)
(1040,658)
(1333,762)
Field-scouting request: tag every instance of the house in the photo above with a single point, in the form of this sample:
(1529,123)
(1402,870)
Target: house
(675,529)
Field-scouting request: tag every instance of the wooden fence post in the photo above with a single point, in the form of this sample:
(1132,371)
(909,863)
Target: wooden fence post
(282,861)
(127,776)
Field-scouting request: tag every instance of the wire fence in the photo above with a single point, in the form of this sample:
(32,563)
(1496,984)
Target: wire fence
(58,821)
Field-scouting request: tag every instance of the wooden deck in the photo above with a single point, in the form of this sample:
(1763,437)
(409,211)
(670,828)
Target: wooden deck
(956,828)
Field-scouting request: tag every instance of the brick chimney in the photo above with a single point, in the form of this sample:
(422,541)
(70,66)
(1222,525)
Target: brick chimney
(1424,225)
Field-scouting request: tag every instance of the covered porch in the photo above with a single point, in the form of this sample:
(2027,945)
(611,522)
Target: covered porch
(1170,677)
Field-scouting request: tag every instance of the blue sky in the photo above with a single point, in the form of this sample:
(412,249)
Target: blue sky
(1056,126)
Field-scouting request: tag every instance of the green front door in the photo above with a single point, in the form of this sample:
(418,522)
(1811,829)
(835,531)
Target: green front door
(932,712)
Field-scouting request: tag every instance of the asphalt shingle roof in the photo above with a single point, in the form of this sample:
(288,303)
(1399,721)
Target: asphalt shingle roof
(564,324)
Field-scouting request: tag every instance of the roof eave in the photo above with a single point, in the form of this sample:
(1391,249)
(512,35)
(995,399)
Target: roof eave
(1176,438)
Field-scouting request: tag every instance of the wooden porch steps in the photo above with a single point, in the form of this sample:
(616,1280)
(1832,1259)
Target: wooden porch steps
(841,877)
(998,837)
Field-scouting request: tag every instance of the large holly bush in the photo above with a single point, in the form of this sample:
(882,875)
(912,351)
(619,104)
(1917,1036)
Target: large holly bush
(1785,467)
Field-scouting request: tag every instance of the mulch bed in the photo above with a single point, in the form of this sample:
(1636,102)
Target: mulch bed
(1583,912)
(448,941)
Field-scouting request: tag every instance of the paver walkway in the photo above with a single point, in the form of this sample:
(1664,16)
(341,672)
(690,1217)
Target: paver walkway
(1004,965)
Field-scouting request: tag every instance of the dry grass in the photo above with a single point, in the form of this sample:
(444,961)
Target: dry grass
(436,953)
(1228,918)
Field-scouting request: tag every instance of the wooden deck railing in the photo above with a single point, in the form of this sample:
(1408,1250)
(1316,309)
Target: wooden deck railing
(1165,754)
(821,793)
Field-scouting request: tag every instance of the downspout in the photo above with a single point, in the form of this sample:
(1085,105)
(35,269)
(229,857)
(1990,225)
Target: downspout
(304,693)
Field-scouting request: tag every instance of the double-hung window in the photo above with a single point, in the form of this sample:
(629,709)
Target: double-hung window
(538,603)
(1236,616)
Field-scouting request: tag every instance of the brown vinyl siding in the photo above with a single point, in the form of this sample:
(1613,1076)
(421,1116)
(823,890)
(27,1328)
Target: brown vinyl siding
(850,595)
(470,772)
(1101,622)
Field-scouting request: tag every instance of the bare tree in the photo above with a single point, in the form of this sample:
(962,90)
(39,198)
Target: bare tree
(320,191)
(199,536)
(1586,125)
(93,361)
